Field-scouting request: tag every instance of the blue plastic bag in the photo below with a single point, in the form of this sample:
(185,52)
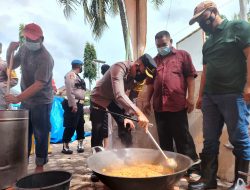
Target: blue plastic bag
(56,120)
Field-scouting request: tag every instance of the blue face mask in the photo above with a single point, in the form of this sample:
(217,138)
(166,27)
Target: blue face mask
(163,51)
(32,46)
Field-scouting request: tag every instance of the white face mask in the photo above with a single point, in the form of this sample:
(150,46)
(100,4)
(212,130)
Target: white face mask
(163,51)
(32,46)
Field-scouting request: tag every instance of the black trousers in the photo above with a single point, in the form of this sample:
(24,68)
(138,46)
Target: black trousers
(99,121)
(73,122)
(173,126)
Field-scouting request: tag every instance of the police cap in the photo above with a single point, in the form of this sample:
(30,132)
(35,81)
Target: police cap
(149,64)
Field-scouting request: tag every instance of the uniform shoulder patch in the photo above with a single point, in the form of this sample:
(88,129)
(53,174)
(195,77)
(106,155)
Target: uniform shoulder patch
(71,75)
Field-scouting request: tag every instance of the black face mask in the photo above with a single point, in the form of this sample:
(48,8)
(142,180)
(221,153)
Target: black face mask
(207,25)
(80,70)
(139,76)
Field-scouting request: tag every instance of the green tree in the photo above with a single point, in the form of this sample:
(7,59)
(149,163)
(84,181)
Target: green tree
(95,12)
(89,67)
(21,37)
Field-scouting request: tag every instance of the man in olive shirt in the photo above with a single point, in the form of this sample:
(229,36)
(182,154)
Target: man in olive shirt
(224,94)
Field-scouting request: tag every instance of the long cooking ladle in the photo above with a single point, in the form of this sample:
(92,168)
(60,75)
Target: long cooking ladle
(171,162)
(9,76)
(9,73)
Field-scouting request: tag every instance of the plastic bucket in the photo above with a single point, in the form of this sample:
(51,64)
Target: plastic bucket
(49,180)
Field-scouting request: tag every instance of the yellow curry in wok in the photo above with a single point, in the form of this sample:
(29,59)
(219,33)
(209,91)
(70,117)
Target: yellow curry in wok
(138,171)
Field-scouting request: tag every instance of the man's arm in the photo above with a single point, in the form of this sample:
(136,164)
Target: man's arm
(246,93)
(17,58)
(243,42)
(31,91)
(148,94)
(202,85)
(117,75)
(190,98)
(69,85)
(190,74)
(26,94)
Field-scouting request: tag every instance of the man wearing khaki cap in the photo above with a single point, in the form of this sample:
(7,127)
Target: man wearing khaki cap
(224,94)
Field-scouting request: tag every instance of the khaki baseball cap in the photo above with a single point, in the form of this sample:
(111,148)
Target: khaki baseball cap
(201,8)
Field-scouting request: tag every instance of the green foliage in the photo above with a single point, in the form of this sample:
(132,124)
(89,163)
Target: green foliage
(157,3)
(87,98)
(69,6)
(21,38)
(96,11)
(90,70)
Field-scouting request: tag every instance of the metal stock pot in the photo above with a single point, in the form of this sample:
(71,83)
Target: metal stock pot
(14,146)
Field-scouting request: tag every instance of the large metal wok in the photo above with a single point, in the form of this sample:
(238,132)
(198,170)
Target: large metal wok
(129,156)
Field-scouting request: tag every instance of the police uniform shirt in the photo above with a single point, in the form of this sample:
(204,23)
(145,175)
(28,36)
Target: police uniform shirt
(113,86)
(73,92)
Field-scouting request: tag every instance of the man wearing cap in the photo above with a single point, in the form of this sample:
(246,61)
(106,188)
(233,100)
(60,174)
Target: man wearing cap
(110,93)
(73,107)
(3,80)
(36,85)
(224,94)
(174,78)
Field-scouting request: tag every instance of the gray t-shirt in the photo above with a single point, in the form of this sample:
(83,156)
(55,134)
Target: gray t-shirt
(35,66)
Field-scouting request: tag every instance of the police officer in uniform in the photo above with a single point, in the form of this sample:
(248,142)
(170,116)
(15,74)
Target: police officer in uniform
(4,79)
(73,107)
(110,93)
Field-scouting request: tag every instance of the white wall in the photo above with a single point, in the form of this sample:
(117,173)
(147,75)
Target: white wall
(193,45)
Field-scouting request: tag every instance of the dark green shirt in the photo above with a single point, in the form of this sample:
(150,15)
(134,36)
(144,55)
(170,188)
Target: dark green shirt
(224,58)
